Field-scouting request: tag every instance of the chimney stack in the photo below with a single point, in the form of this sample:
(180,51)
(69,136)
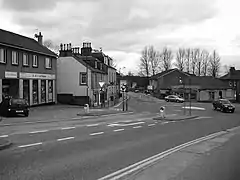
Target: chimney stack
(39,38)
(232,69)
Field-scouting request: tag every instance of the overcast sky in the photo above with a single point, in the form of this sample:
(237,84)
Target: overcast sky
(123,27)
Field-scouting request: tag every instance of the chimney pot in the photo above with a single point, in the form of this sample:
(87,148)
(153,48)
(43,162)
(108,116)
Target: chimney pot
(61,46)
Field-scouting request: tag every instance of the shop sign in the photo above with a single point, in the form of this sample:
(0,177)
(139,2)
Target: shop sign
(36,76)
(9,74)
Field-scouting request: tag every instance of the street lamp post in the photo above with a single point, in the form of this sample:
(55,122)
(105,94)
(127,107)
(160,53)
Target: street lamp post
(184,104)
(190,102)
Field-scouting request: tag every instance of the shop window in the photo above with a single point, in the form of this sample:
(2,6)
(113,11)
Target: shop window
(14,58)
(48,63)
(35,92)
(2,56)
(43,91)
(25,60)
(50,90)
(83,78)
(26,90)
(35,61)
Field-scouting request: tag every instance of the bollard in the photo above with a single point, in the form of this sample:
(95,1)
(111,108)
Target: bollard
(162,112)
(86,108)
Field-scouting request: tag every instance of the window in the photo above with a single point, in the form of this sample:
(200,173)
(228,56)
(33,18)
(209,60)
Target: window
(83,78)
(25,60)
(2,56)
(48,63)
(96,64)
(35,61)
(14,58)
(101,66)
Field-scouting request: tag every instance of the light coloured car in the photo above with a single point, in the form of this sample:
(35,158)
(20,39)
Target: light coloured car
(174,98)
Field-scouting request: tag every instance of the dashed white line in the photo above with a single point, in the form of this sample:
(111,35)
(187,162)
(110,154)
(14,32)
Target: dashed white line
(151,124)
(29,145)
(117,130)
(64,139)
(41,131)
(66,128)
(164,122)
(3,136)
(136,127)
(92,125)
(98,133)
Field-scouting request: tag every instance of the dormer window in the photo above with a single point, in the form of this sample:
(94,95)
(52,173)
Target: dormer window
(96,64)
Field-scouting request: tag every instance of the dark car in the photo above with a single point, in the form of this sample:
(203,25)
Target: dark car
(174,98)
(14,106)
(224,105)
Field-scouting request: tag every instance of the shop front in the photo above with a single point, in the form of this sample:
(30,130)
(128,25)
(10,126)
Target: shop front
(37,88)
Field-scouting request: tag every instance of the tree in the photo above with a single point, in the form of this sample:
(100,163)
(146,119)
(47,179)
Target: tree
(130,73)
(215,64)
(180,59)
(194,59)
(205,62)
(166,58)
(199,59)
(51,46)
(188,59)
(149,62)
(226,68)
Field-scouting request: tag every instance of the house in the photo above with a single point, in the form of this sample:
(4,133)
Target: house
(80,75)
(233,79)
(27,69)
(135,82)
(199,88)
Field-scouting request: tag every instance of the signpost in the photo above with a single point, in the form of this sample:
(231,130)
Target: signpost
(101,84)
(123,89)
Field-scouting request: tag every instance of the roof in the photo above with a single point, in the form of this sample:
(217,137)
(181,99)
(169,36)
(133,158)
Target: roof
(22,42)
(234,75)
(209,82)
(81,60)
(161,74)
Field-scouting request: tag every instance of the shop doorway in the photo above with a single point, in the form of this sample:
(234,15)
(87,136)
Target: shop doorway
(10,87)
(43,91)
(26,91)
(35,92)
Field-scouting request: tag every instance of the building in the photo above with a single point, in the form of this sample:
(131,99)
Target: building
(27,69)
(199,88)
(233,79)
(135,82)
(80,75)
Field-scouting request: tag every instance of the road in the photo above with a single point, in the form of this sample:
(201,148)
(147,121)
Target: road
(92,149)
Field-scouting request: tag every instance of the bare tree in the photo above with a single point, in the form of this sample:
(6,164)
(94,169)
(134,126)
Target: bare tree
(188,59)
(145,62)
(226,68)
(215,64)
(205,62)
(166,58)
(149,62)
(130,73)
(199,57)
(180,59)
(194,59)
(51,46)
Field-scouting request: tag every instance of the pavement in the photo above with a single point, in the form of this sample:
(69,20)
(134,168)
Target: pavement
(94,148)
(4,143)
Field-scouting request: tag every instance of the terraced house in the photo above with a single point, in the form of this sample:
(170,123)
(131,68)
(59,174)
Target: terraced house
(81,72)
(27,69)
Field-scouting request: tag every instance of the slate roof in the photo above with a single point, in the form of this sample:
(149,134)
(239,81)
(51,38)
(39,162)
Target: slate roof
(234,75)
(156,76)
(8,38)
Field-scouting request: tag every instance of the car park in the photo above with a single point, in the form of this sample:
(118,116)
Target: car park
(224,105)
(174,98)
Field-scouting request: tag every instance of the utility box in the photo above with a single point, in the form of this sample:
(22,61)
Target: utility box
(86,108)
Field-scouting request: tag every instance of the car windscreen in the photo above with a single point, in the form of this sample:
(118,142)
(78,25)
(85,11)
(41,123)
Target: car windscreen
(18,101)
(225,101)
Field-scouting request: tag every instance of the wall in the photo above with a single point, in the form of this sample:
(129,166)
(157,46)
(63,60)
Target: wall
(228,94)
(68,81)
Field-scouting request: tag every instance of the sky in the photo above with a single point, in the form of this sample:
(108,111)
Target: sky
(122,28)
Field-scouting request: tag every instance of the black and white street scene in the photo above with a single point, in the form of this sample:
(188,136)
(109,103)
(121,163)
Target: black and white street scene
(119,90)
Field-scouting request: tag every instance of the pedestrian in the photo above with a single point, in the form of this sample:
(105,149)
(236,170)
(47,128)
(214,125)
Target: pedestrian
(162,112)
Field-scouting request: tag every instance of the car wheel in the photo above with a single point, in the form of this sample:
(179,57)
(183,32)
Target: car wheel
(214,108)
(167,100)
(26,114)
(232,111)
(222,110)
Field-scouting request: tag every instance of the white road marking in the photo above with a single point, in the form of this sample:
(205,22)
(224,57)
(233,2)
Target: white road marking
(66,128)
(196,108)
(164,122)
(29,145)
(3,136)
(92,125)
(98,133)
(203,117)
(136,127)
(41,131)
(151,125)
(117,130)
(131,124)
(64,139)
(151,160)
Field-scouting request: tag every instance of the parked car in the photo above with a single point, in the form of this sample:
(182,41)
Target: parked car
(174,98)
(14,106)
(224,105)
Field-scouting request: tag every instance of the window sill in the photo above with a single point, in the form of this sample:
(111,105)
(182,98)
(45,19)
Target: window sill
(25,65)
(35,66)
(83,84)
(48,68)
(14,64)
(3,62)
